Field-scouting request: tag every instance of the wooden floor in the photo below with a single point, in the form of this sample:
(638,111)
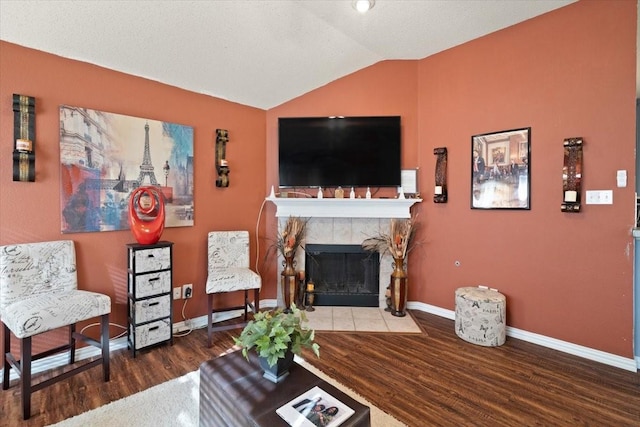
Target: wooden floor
(431,379)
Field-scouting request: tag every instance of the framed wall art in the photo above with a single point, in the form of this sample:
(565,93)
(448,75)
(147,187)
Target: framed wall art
(500,170)
(105,156)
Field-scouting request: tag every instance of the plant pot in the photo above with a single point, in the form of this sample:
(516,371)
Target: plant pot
(280,370)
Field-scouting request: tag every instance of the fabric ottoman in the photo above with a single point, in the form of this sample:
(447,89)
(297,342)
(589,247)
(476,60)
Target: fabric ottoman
(481,316)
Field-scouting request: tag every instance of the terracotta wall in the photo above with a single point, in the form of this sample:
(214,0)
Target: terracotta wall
(31,211)
(567,73)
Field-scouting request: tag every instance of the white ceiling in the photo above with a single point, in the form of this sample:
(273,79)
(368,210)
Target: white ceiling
(259,53)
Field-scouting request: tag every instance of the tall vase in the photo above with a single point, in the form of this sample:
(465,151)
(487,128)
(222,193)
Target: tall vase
(289,279)
(399,289)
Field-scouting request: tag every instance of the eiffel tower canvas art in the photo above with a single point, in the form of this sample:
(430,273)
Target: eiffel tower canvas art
(105,156)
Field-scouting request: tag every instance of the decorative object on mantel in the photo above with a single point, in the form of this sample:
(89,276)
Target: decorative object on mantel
(24,135)
(339,193)
(571,175)
(398,243)
(440,191)
(276,336)
(148,227)
(409,183)
(222,166)
(500,170)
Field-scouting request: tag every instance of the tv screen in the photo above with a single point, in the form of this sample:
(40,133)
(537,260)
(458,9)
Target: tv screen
(339,151)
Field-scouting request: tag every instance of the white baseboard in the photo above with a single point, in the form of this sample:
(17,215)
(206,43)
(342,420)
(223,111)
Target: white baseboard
(61,359)
(555,344)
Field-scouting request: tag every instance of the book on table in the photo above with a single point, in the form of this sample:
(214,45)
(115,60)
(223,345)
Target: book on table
(315,408)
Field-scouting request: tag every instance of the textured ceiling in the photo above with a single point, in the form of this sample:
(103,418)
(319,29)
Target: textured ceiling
(259,53)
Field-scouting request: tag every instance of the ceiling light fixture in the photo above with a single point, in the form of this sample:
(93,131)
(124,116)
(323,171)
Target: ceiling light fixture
(363,6)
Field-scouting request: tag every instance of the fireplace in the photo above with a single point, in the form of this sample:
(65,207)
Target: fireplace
(343,222)
(344,275)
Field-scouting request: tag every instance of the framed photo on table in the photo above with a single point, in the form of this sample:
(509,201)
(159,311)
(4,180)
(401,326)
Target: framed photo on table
(315,408)
(501,170)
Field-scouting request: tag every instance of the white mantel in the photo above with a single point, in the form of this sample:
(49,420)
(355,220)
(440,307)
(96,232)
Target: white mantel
(343,208)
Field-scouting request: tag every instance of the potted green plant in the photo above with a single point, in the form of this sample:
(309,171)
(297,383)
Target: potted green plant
(276,336)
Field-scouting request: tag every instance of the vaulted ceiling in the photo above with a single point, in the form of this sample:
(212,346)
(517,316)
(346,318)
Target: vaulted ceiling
(259,53)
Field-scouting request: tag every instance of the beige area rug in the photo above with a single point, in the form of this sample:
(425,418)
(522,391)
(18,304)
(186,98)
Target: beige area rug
(175,404)
(360,319)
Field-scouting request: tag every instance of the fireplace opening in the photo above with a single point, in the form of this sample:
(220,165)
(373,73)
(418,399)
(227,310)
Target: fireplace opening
(344,275)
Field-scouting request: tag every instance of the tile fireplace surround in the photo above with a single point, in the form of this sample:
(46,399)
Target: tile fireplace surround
(344,222)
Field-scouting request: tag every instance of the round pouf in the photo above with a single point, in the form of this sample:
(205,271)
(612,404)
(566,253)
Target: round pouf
(481,316)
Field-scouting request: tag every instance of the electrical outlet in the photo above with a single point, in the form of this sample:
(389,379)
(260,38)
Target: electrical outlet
(177,293)
(187,291)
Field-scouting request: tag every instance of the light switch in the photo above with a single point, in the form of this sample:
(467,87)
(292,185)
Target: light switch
(621,178)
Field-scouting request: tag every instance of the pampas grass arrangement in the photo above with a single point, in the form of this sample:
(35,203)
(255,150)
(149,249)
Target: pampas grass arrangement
(291,236)
(398,242)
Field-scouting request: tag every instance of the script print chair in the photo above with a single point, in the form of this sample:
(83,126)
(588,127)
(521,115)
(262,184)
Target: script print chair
(228,271)
(39,293)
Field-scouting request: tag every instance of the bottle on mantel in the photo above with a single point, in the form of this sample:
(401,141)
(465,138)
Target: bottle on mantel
(319,192)
(368,196)
(352,194)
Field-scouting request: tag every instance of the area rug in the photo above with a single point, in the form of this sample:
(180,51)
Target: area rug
(175,404)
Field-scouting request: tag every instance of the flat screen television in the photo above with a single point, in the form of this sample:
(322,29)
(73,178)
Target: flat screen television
(339,151)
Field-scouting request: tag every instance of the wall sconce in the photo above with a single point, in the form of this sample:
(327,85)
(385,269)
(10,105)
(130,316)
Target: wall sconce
(24,135)
(222,166)
(572,175)
(440,190)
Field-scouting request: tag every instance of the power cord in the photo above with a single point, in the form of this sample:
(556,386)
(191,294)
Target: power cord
(186,321)
(110,324)
(258,223)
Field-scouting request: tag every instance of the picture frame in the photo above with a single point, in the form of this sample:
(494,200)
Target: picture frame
(409,185)
(501,170)
(105,157)
(315,408)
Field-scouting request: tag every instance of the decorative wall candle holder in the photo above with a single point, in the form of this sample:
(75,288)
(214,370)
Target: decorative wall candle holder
(24,133)
(572,175)
(222,166)
(440,190)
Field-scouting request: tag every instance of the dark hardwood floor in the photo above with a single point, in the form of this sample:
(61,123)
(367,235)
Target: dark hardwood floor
(432,379)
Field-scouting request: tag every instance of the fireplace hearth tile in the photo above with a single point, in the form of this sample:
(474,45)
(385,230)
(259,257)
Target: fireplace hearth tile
(366,313)
(369,324)
(343,324)
(359,319)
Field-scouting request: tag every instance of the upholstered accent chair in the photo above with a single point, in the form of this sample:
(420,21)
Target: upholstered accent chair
(228,271)
(39,293)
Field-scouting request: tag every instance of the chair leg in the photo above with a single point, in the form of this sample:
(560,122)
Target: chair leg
(106,370)
(6,348)
(246,304)
(209,319)
(256,300)
(25,378)
(72,344)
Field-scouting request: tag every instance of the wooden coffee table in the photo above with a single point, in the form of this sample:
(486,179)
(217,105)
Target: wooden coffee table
(233,393)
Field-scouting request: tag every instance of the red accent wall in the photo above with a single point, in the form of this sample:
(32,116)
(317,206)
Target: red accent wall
(567,73)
